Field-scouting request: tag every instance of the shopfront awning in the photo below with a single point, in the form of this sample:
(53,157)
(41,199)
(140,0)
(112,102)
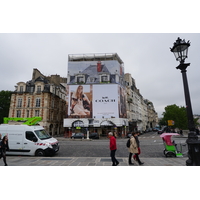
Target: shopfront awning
(107,123)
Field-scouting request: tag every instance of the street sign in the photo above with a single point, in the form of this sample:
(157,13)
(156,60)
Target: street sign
(170,123)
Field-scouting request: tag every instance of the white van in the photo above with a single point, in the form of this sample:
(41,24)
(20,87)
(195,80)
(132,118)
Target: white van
(29,140)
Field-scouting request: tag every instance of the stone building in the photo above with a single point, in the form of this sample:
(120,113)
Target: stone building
(140,112)
(42,96)
(96,100)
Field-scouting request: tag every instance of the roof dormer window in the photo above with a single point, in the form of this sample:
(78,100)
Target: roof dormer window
(80,79)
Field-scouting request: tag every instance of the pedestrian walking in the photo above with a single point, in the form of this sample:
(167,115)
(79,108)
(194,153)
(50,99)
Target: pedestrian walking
(133,149)
(113,148)
(138,144)
(4,148)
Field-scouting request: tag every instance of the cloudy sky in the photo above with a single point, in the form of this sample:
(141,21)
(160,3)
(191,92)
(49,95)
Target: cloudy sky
(146,57)
(45,33)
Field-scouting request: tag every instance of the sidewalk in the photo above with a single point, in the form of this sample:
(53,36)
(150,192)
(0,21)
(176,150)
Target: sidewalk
(89,161)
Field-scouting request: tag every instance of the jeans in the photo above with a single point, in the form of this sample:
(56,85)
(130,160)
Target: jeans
(114,160)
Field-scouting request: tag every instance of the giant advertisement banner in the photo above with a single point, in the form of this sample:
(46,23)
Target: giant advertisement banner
(95,72)
(96,101)
(105,104)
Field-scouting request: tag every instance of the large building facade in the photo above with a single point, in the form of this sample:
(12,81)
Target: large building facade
(96,96)
(140,112)
(41,96)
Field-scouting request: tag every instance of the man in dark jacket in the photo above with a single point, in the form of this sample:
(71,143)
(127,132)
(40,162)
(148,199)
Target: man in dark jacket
(113,148)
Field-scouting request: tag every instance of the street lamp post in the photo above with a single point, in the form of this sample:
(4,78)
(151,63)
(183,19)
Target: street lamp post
(180,50)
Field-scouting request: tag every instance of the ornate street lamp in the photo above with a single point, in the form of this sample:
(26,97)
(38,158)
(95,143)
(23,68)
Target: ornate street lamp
(180,50)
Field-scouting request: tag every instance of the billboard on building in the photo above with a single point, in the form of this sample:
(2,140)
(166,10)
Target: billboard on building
(95,72)
(96,101)
(79,101)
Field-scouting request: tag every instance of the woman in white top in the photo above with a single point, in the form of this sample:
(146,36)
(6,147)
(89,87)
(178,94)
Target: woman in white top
(77,105)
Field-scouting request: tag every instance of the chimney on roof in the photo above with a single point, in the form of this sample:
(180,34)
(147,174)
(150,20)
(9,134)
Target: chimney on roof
(99,66)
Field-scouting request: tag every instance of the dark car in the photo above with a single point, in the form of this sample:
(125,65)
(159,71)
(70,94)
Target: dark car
(156,129)
(78,135)
(94,136)
(160,131)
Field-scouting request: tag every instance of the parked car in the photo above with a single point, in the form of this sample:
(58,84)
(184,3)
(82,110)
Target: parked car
(94,136)
(78,135)
(162,130)
(156,129)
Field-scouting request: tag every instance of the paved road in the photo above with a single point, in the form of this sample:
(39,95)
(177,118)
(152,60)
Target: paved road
(151,146)
(96,153)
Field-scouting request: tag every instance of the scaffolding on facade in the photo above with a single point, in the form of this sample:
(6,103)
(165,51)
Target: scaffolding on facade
(94,57)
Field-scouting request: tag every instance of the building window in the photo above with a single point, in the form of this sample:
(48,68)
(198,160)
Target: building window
(21,88)
(52,103)
(104,78)
(37,103)
(27,113)
(29,102)
(18,113)
(19,103)
(32,89)
(37,113)
(39,88)
(80,79)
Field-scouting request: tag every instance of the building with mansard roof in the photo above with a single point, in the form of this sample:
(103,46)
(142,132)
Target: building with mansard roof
(42,96)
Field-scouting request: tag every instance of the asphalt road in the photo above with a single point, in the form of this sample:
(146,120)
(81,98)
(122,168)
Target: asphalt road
(150,143)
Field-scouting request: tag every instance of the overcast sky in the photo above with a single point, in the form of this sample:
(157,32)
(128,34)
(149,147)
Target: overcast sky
(41,34)
(146,57)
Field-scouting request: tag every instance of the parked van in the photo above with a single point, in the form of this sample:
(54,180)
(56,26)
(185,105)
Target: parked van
(29,140)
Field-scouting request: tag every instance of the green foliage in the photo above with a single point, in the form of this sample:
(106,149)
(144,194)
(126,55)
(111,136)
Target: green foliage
(5,97)
(177,114)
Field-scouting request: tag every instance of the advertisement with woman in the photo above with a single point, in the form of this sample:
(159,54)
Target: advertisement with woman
(80,101)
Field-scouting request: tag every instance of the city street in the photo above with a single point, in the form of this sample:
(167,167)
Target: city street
(151,146)
(96,153)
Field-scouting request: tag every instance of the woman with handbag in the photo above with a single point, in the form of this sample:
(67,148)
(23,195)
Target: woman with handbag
(134,150)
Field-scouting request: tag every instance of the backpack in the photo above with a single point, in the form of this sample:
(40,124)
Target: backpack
(128,143)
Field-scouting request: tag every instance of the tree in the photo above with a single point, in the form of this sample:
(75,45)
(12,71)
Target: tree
(177,114)
(5,97)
